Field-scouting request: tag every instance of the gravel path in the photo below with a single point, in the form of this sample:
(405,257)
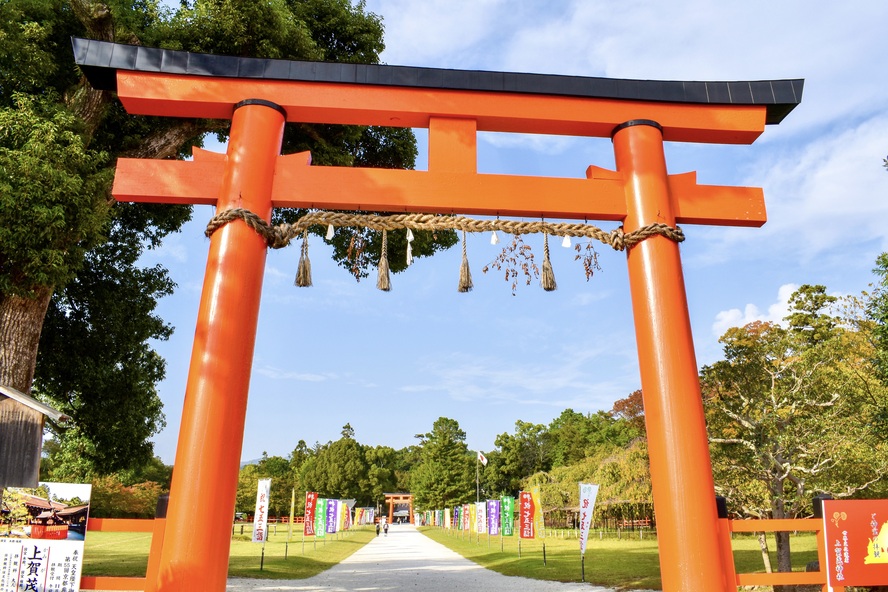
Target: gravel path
(407,560)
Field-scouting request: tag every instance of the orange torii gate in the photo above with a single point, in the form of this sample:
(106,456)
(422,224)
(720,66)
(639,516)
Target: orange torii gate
(259,96)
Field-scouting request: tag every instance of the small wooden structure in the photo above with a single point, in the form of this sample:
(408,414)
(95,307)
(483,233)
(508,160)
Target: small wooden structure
(21,439)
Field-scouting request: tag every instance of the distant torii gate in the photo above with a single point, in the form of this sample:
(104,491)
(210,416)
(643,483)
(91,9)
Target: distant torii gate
(259,96)
(398,498)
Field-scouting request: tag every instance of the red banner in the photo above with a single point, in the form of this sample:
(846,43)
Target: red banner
(311,502)
(526,515)
(855,533)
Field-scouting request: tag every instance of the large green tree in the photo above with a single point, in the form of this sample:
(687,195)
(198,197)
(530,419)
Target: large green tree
(59,140)
(445,473)
(789,415)
(339,470)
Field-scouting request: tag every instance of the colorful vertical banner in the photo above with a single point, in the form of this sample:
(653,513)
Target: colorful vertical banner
(493,517)
(855,533)
(467,516)
(332,516)
(480,517)
(311,501)
(525,515)
(321,518)
(260,517)
(507,505)
(448,521)
(43,553)
(457,517)
(588,493)
(539,526)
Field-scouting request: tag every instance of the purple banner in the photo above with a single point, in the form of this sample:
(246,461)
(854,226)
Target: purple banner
(493,517)
(332,515)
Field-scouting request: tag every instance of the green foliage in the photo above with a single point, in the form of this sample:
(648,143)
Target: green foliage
(338,470)
(877,311)
(444,475)
(789,413)
(58,143)
(53,201)
(110,498)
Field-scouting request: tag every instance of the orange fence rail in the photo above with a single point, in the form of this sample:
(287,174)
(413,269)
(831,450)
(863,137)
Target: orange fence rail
(726,527)
(154,526)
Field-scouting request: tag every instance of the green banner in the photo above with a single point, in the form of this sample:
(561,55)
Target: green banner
(508,515)
(321,518)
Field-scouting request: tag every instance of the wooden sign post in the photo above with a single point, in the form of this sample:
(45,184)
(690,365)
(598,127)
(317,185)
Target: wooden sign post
(260,95)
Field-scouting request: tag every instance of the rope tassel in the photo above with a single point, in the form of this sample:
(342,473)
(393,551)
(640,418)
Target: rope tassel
(384,282)
(465,274)
(303,271)
(547,279)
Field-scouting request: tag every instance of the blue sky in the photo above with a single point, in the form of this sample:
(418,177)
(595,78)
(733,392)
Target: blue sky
(391,363)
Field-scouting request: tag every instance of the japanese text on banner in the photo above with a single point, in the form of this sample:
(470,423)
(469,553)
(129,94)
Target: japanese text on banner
(588,493)
(260,517)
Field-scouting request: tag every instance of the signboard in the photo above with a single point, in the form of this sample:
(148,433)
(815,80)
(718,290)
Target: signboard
(311,501)
(855,533)
(588,493)
(44,530)
(260,517)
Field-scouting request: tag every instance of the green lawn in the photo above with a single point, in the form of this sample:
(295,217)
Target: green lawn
(126,554)
(618,563)
(624,563)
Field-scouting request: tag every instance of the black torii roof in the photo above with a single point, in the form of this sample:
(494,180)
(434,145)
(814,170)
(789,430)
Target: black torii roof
(100,60)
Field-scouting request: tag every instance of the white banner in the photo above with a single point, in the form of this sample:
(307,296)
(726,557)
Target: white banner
(588,493)
(480,517)
(260,518)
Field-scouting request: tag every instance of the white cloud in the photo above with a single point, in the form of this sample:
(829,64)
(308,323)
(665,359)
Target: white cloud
(442,34)
(735,317)
(289,375)
(824,197)
(570,381)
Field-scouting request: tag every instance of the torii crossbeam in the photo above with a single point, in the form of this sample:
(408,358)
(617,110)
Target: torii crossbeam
(259,96)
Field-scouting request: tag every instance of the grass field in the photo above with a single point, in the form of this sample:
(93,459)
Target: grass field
(625,563)
(126,554)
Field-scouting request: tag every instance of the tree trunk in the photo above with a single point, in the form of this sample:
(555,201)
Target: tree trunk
(784,562)
(21,320)
(766,555)
(778,511)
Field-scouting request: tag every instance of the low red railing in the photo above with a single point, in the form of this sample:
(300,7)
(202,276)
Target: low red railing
(154,526)
(726,527)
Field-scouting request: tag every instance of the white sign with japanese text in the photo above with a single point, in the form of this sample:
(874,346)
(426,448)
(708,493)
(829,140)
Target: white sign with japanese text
(260,518)
(588,493)
(41,543)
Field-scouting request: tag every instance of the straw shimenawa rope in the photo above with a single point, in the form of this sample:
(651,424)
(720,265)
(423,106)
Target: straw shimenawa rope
(280,236)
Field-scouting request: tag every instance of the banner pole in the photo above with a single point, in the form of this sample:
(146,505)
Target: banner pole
(583,567)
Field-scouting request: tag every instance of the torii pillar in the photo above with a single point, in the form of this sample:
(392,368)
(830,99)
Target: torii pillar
(259,95)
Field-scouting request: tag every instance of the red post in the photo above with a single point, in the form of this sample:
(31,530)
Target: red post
(202,496)
(681,470)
